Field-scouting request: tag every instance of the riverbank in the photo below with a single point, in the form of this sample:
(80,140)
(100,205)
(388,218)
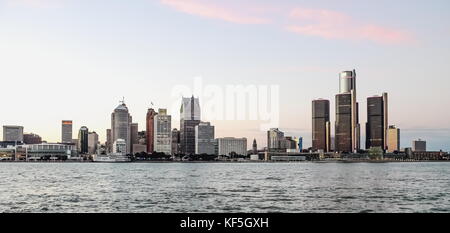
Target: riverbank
(245,161)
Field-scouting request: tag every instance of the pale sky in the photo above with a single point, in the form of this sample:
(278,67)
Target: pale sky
(75,59)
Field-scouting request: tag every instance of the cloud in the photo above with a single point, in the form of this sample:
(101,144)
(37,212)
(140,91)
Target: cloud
(335,25)
(210,10)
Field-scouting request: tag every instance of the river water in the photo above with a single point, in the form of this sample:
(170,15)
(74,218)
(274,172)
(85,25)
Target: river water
(225,187)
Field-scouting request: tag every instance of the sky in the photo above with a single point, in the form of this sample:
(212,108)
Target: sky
(76,59)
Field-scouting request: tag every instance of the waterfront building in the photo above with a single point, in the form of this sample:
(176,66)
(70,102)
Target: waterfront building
(133,135)
(189,118)
(13,133)
(419,145)
(254,147)
(92,142)
(51,151)
(274,140)
(229,145)
(204,138)
(321,132)
(176,147)
(121,125)
(83,140)
(150,125)
(393,139)
(66,131)
(288,143)
(163,132)
(120,147)
(32,138)
(376,131)
(347,128)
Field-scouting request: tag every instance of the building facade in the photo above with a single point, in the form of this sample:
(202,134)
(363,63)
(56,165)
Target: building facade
(321,135)
(189,118)
(83,140)
(32,138)
(134,127)
(419,146)
(204,138)
(92,142)
(150,125)
(176,147)
(66,131)
(121,125)
(163,132)
(393,139)
(13,133)
(274,139)
(229,145)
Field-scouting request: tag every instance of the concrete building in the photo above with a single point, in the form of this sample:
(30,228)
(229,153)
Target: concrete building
(393,139)
(134,135)
(274,140)
(228,145)
(32,138)
(83,140)
(419,146)
(150,125)
(120,147)
(204,138)
(163,132)
(92,142)
(66,131)
(13,133)
(121,125)
(321,132)
(109,141)
(176,146)
(189,118)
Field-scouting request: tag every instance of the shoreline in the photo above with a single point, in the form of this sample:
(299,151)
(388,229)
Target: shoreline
(266,162)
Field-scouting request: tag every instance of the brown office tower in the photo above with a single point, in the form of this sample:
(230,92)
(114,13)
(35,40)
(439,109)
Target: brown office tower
(343,127)
(320,125)
(375,130)
(150,121)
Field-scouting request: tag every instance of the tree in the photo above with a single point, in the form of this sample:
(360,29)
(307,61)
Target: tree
(376,153)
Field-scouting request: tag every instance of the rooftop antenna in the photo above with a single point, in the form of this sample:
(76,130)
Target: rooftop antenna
(122,101)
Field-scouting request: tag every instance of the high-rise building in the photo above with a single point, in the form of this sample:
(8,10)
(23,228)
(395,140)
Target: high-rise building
(204,138)
(419,145)
(150,124)
(347,128)
(163,132)
(83,140)
(300,144)
(321,134)
(229,145)
(121,125)
(109,142)
(66,131)
(254,147)
(274,140)
(134,135)
(13,133)
(375,122)
(393,139)
(32,138)
(92,142)
(176,148)
(189,118)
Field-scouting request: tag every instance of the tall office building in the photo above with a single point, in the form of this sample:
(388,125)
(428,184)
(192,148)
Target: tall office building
(121,125)
(150,124)
(419,145)
(13,133)
(92,142)
(393,139)
(66,131)
(321,134)
(204,138)
(133,135)
(176,149)
(274,140)
(375,132)
(163,132)
(254,147)
(347,128)
(229,145)
(189,118)
(83,140)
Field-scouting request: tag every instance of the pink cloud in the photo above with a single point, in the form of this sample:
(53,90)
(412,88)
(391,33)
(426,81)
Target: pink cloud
(209,10)
(335,25)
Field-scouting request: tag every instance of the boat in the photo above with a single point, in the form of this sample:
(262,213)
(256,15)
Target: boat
(112,158)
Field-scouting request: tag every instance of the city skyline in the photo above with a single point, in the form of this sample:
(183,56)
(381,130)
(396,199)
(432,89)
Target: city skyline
(56,55)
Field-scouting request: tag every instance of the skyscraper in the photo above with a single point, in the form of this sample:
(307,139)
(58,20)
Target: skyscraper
(189,118)
(66,131)
(274,140)
(83,140)
(321,125)
(254,147)
(150,124)
(375,131)
(133,135)
(176,149)
(393,139)
(121,125)
(347,128)
(204,138)
(163,132)
(13,133)
(109,142)
(92,142)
